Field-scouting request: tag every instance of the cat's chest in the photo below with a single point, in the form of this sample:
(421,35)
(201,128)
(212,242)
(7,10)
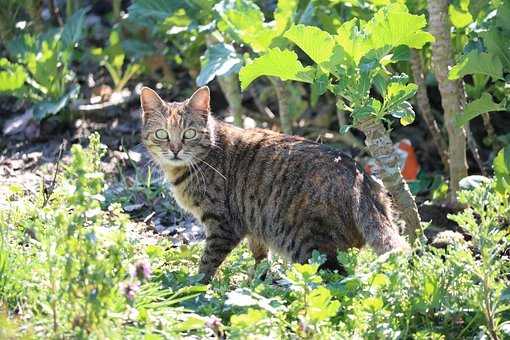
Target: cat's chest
(180,180)
(186,201)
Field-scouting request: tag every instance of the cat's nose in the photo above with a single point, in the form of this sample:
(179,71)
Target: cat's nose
(175,149)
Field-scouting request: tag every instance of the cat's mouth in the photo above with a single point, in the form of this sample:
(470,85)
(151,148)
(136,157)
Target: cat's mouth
(176,160)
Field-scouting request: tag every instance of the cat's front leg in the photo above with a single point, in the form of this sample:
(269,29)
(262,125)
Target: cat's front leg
(219,242)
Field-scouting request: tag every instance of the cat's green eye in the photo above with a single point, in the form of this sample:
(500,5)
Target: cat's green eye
(161,134)
(190,134)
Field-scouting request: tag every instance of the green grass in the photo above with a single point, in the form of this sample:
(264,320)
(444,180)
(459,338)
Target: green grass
(68,269)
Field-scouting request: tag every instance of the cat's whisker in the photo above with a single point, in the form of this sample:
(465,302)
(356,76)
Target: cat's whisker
(201,173)
(193,170)
(202,177)
(209,165)
(217,146)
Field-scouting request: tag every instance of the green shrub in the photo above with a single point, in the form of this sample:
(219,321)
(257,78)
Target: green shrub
(39,68)
(64,262)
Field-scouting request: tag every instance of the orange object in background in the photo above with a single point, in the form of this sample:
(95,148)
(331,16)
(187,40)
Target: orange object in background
(411,167)
(408,162)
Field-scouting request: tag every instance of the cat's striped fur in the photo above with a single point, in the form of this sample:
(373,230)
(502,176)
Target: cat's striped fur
(282,192)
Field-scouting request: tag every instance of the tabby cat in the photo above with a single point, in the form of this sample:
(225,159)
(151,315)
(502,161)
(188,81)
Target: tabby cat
(283,193)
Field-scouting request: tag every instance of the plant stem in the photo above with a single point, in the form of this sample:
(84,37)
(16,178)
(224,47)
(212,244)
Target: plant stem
(283,94)
(422,100)
(69,8)
(54,10)
(442,60)
(380,147)
(232,91)
(347,137)
(488,309)
(489,128)
(473,146)
(116,5)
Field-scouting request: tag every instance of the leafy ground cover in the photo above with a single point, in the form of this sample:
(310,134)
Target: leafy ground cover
(73,264)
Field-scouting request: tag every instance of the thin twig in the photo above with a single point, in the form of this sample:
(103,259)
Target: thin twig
(264,110)
(422,100)
(49,191)
(56,12)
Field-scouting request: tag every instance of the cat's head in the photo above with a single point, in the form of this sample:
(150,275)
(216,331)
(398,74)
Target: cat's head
(176,134)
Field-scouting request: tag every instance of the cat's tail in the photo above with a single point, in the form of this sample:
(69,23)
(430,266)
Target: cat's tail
(374,219)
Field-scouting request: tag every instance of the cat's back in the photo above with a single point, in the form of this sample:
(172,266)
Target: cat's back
(267,147)
(275,169)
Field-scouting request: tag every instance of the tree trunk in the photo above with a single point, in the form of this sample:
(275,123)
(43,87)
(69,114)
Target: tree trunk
(442,60)
(380,147)
(232,91)
(230,87)
(283,94)
(422,100)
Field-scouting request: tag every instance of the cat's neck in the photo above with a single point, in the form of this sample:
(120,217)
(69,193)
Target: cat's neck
(174,172)
(221,132)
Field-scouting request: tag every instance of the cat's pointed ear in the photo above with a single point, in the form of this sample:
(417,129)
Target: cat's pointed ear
(151,102)
(200,100)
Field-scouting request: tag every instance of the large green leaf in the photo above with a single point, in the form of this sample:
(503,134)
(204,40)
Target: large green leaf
(404,112)
(459,15)
(320,305)
(73,28)
(248,319)
(283,64)
(353,41)
(394,25)
(284,15)
(48,108)
(219,60)
(477,63)
(20,45)
(477,107)
(501,167)
(501,19)
(397,94)
(244,21)
(390,28)
(173,14)
(115,51)
(43,66)
(156,9)
(12,76)
(498,44)
(316,43)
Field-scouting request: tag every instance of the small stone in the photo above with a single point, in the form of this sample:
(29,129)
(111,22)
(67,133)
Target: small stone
(133,207)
